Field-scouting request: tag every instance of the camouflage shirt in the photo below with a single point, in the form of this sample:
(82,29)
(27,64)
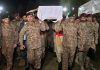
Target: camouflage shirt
(8,35)
(88,33)
(32,31)
(70,32)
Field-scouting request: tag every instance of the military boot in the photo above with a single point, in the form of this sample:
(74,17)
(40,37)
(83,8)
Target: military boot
(60,66)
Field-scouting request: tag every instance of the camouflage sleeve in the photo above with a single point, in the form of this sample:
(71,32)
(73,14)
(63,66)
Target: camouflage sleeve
(47,27)
(77,26)
(15,37)
(0,36)
(21,26)
(96,33)
(79,37)
(57,26)
(43,26)
(15,34)
(18,26)
(21,34)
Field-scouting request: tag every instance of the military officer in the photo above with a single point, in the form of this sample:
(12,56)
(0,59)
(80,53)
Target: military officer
(34,50)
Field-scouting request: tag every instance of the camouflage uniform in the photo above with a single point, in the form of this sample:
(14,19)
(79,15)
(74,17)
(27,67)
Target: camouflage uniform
(69,42)
(0,44)
(88,38)
(81,41)
(43,35)
(43,39)
(17,26)
(34,50)
(96,25)
(8,43)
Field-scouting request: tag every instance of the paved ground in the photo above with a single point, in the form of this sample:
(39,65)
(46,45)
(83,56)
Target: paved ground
(51,63)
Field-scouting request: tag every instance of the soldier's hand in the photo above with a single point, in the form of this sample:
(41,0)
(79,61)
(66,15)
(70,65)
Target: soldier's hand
(96,42)
(15,45)
(81,49)
(22,47)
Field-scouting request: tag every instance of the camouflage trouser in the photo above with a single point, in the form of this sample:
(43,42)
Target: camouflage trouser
(67,57)
(0,54)
(84,61)
(34,57)
(8,54)
(43,45)
(81,59)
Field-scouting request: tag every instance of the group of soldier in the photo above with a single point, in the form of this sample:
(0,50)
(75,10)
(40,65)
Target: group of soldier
(13,34)
(79,37)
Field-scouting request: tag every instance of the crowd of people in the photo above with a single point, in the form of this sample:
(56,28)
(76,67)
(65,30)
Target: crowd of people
(80,37)
(77,42)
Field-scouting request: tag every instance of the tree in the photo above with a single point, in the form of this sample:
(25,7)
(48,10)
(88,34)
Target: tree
(73,3)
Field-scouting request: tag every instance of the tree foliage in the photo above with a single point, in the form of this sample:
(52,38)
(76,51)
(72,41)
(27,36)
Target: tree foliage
(73,2)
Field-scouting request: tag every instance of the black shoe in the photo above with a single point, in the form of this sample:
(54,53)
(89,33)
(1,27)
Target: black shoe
(69,68)
(38,69)
(60,66)
(26,68)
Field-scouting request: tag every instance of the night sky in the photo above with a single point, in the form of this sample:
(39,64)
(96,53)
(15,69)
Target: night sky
(25,5)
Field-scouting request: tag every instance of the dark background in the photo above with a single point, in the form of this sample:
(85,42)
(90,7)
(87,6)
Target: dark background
(24,5)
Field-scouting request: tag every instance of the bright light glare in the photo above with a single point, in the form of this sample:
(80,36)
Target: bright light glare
(68,13)
(81,8)
(1,8)
(64,9)
(7,12)
(73,8)
(0,12)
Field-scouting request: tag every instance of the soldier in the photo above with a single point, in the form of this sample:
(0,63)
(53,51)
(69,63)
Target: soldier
(43,34)
(93,41)
(82,24)
(43,43)
(43,39)
(34,50)
(22,22)
(23,52)
(17,23)
(49,36)
(8,41)
(96,24)
(87,40)
(69,41)
(0,43)
(58,38)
